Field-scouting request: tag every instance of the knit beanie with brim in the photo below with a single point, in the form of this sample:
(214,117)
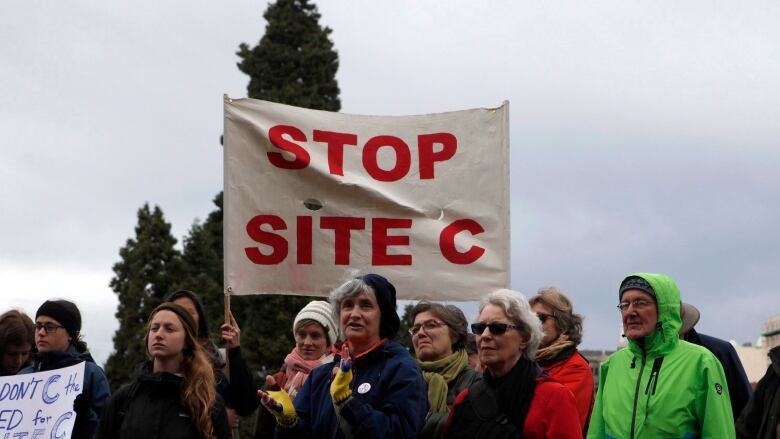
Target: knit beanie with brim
(385,298)
(635,283)
(179,310)
(69,320)
(322,313)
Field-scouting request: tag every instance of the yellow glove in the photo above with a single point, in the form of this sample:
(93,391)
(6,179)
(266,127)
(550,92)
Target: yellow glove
(279,403)
(339,388)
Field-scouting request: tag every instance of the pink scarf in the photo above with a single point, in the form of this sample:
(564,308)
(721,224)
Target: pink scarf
(298,370)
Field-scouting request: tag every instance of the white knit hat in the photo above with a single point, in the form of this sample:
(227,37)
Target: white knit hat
(322,313)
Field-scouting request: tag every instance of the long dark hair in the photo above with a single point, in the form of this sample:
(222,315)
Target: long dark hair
(16,329)
(203,326)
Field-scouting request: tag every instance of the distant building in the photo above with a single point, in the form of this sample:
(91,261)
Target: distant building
(595,358)
(754,360)
(771,332)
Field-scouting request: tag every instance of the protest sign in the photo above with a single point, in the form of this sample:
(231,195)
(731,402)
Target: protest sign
(40,405)
(422,200)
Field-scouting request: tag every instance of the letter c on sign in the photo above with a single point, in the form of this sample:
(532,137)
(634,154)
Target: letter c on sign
(55,429)
(46,397)
(447,242)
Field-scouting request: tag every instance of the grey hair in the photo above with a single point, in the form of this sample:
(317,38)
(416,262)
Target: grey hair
(518,311)
(347,290)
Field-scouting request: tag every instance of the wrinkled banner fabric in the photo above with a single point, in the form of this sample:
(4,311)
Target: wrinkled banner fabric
(309,195)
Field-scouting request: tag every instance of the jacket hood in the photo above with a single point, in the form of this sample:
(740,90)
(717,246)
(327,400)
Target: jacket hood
(665,336)
(56,360)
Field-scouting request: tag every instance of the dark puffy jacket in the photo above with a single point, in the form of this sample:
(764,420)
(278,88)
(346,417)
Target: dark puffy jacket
(240,393)
(151,408)
(389,399)
(760,418)
(552,414)
(96,387)
(738,384)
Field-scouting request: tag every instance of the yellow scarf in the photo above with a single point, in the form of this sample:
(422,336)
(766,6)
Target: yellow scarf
(438,374)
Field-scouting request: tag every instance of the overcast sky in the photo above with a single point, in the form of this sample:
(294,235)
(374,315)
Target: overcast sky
(644,136)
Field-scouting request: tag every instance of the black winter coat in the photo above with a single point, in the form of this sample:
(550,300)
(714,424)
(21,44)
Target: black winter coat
(736,379)
(761,417)
(241,392)
(151,408)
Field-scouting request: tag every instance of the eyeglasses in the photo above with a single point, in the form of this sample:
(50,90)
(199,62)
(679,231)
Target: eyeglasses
(49,327)
(543,317)
(638,304)
(428,325)
(495,328)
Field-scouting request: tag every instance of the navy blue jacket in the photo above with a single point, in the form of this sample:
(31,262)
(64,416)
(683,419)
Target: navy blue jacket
(96,386)
(736,379)
(389,399)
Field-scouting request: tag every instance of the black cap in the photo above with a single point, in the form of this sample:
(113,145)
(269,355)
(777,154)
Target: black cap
(64,312)
(180,311)
(635,283)
(385,298)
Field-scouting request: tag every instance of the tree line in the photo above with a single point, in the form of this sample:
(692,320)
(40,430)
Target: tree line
(294,63)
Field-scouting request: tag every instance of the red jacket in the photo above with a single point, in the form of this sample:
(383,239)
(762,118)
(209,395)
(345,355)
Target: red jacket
(574,373)
(552,415)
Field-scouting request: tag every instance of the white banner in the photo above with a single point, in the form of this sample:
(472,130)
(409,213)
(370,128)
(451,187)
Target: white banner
(421,200)
(40,405)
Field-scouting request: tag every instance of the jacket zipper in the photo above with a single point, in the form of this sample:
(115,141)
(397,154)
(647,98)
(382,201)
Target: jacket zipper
(636,394)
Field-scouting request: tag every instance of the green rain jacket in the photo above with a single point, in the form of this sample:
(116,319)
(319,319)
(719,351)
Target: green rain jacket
(664,387)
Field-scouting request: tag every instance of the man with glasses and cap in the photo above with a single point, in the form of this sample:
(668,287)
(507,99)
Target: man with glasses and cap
(659,386)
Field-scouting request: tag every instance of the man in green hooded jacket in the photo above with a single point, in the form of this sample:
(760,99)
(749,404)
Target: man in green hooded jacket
(659,386)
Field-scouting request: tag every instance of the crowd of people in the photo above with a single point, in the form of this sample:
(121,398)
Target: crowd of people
(517,373)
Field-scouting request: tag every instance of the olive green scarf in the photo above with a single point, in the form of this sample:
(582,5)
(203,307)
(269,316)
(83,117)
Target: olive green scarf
(438,374)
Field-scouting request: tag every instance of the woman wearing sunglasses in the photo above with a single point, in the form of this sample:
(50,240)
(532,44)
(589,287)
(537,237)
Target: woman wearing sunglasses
(59,343)
(526,400)
(439,335)
(557,353)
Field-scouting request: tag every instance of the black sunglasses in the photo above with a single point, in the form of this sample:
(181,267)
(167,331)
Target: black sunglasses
(495,328)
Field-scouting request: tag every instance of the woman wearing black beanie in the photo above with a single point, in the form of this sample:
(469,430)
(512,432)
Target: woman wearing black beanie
(59,342)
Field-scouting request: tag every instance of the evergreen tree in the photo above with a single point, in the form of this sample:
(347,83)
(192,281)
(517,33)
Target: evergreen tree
(265,320)
(202,266)
(403,336)
(149,263)
(294,63)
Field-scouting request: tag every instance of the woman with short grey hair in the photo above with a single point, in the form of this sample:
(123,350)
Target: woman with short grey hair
(514,388)
(382,396)
(517,310)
